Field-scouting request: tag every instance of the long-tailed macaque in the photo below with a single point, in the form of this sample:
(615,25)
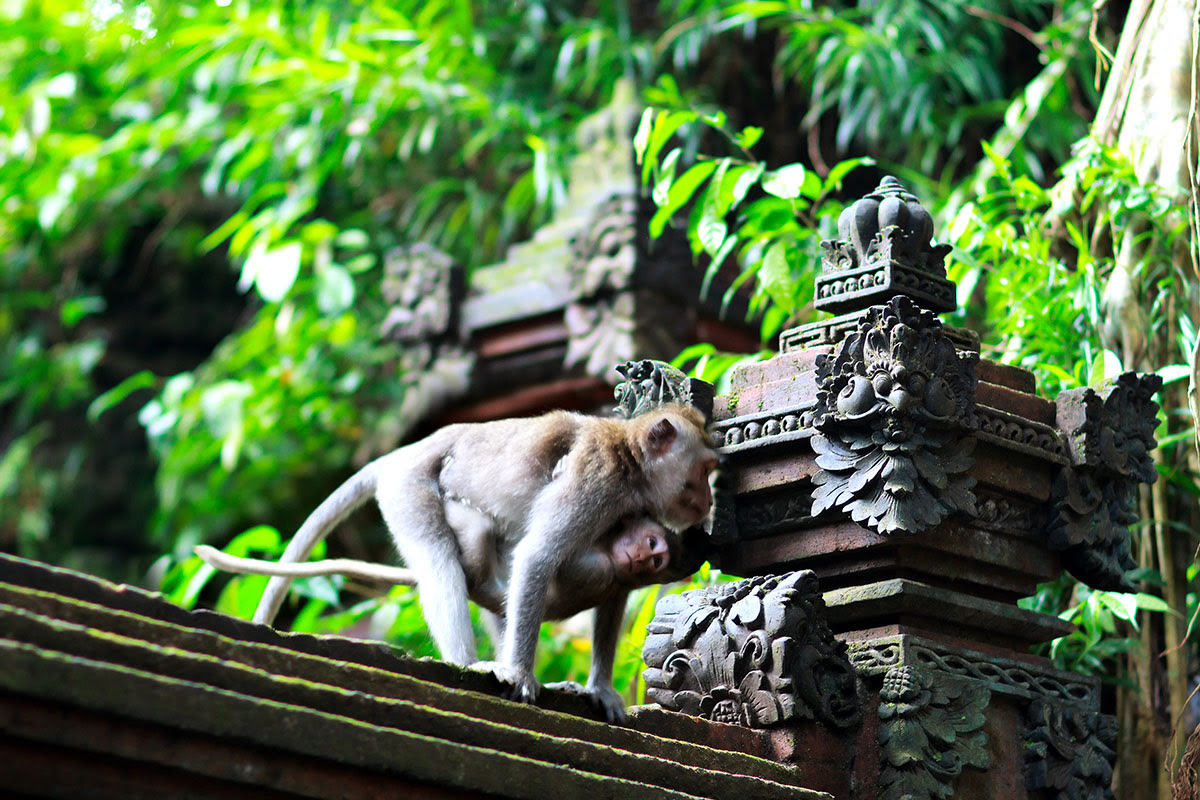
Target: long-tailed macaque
(637,553)
(520,499)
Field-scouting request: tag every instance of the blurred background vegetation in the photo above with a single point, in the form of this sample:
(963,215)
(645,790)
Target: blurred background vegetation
(196,196)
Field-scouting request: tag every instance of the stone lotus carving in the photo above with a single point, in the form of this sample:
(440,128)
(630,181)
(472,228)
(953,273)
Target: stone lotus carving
(1109,435)
(893,405)
(1069,752)
(756,653)
(884,249)
(930,730)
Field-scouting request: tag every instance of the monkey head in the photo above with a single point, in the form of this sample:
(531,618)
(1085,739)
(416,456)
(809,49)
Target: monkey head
(678,458)
(641,552)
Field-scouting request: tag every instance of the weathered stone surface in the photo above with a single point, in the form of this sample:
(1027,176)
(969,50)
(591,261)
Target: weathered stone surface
(930,731)
(894,405)
(171,688)
(756,653)
(649,384)
(1109,434)
(1069,752)
(957,614)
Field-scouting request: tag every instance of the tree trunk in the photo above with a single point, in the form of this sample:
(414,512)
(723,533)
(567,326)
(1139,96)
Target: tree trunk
(1148,111)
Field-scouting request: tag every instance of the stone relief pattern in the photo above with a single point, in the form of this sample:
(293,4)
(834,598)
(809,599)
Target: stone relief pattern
(425,289)
(1009,429)
(604,255)
(1010,677)
(1110,435)
(649,384)
(930,730)
(1069,752)
(895,405)
(609,321)
(763,429)
(1000,513)
(766,516)
(758,652)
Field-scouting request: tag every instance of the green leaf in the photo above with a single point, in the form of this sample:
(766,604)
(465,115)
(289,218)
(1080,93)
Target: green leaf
(785,182)
(335,290)
(222,406)
(775,276)
(748,137)
(1152,603)
(833,183)
(642,138)
(273,271)
(1105,367)
(1174,372)
(114,396)
(75,309)
(665,125)
(681,192)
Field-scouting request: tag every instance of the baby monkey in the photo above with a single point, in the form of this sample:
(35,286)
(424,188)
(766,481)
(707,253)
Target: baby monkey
(534,518)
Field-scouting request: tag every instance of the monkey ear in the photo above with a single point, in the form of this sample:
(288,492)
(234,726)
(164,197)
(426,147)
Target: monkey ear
(660,436)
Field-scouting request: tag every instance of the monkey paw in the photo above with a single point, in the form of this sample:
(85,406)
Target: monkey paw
(604,698)
(520,684)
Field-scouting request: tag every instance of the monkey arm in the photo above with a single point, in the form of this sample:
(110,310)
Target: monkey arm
(361,570)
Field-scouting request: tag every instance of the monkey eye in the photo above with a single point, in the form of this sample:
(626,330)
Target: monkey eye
(652,543)
(658,563)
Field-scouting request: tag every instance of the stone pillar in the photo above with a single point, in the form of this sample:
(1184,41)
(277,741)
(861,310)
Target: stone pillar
(927,489)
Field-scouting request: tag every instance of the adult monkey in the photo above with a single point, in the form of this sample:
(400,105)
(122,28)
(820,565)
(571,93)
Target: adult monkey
(638,552)
(543,490)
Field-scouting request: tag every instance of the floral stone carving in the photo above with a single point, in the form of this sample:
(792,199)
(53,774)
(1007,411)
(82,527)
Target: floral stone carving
(1109,435)
(757,652)
(930,730)
(1069,752)
(895,405)
(649,384)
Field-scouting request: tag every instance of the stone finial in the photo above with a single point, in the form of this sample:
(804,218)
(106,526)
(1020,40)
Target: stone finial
(884,250)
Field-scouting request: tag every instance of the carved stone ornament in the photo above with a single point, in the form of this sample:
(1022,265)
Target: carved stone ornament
(758,652)
(618,312)
(1109,435)
(884,249)
(930,730)
(649,384)
(604,254)
(1069,752)
(895,405)
(425,288)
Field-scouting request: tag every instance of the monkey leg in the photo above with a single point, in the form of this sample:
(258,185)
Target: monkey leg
(429,549)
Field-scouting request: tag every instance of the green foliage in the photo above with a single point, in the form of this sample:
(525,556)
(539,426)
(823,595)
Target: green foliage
(917,82)
(778,215)
(1094,646)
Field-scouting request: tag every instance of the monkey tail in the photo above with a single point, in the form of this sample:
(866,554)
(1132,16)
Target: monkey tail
(333,509)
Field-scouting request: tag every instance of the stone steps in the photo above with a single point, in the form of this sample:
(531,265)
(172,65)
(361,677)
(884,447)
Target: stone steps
(112,674)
